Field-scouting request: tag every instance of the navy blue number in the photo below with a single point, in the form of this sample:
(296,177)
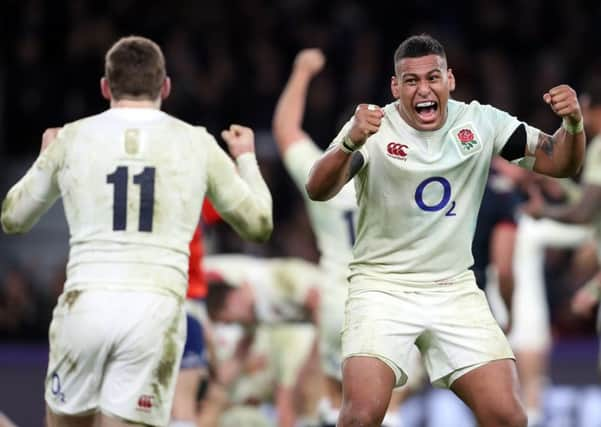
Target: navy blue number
(119,180)
(444,201)
(145,180)
(350,223)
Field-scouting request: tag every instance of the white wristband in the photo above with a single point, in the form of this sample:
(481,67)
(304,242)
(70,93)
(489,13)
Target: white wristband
(347,145)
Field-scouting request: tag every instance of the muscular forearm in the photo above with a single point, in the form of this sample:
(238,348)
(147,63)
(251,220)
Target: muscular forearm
(571,214)
(570,151)
(560,155)
(290,109)
(329,174)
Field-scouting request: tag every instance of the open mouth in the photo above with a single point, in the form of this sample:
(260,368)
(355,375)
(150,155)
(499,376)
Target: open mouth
(426,110)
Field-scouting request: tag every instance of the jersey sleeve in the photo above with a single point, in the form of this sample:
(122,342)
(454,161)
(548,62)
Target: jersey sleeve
(299,159)
(241,197)
(592,165)
(36,192)
(512,138)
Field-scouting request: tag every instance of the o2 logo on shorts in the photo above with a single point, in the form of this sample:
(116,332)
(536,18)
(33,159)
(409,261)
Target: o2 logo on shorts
(444,201)
(145,403)
(55,388)
(397,150)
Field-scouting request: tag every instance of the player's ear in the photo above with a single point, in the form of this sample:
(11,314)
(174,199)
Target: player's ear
(166,88)
(105,89)
(451,78)
(394,87)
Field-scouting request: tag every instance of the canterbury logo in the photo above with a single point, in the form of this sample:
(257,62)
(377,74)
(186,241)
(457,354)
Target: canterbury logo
(145,402)
(396,149)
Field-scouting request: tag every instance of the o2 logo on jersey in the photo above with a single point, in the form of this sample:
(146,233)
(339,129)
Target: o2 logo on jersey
(444,200)
(397,150)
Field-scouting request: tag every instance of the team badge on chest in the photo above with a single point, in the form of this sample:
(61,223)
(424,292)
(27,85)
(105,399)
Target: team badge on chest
(466,139)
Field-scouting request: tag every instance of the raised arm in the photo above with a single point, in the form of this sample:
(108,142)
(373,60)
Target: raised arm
(290,109)
(241,197)
(342,160)
(561,154)
(33,195)
(582,212)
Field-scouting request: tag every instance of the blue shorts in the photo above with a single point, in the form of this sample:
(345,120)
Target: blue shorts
(194,355)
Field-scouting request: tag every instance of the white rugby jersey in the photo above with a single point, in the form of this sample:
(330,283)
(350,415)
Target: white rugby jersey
(419,192)
(333,221)
(280,285)
(132,182)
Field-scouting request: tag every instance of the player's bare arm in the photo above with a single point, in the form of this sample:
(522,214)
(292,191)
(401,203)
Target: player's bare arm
(311,304)
(288,116)
(340,163)
(562,154)
(587,297)
(582,212)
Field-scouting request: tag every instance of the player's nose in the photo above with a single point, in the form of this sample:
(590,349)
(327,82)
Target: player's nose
(423,88)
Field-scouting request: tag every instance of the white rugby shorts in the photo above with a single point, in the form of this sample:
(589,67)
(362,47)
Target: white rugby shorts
(450,323)
(117,352)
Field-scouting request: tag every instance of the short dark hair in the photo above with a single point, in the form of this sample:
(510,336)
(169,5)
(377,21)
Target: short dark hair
(135,68)
(420,45)
(217,293)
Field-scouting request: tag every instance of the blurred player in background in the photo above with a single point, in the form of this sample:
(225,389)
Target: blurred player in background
(333,222)
(132,180)
(193,368)
(420,166)
(256,291)
(258,367)
(494,238)
(530,336)
(587,210)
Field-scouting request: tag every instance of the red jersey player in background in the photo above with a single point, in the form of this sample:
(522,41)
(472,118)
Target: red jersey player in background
(193,369)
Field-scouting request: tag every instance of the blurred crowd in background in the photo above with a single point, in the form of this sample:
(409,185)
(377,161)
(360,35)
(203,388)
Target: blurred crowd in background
(229,60)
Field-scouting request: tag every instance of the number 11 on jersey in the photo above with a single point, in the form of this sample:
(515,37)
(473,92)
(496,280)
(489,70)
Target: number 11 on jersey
(145,180)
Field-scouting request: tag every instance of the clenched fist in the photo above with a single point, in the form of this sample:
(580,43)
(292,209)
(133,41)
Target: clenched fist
(310,61)
(564,102)
(366,122)
(239,140)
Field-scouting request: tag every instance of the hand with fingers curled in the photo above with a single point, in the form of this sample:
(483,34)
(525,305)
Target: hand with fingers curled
(366,122)
(563,100)
(239,139)
(309,61)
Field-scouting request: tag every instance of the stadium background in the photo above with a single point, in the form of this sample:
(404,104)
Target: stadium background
(229,61)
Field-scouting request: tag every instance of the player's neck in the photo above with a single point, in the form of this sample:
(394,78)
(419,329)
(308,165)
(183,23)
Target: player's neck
(130,103)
